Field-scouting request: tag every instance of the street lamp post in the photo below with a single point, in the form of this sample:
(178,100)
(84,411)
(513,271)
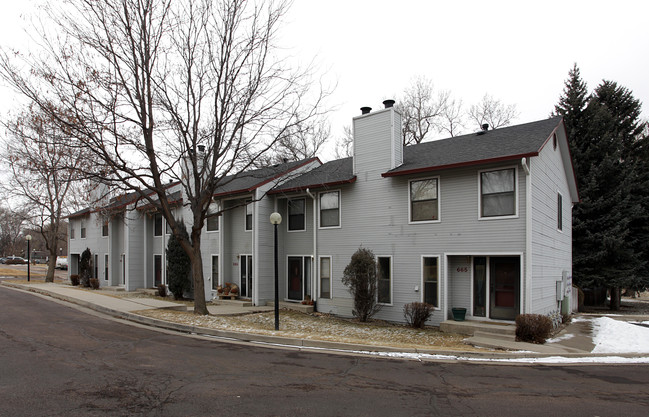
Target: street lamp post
(29,239)
(276,219)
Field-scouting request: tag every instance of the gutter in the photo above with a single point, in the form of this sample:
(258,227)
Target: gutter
(316,265)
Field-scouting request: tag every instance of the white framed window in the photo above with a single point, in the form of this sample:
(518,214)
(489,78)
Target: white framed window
(329,209)
(296,214)
(106,275)
(157,224)
(104,229)
(215,271)
(325,276)
(424,200)
(83,229)
(498,193)
(248,226)
(559,212)
(212,221)
(384,275)
(71,232)
(430,280)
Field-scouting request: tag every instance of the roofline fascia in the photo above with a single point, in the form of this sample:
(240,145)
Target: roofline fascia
(254,187)
(303,188)
(458,165)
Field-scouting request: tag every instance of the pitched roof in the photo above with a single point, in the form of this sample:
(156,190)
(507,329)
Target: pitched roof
(247,181)
(329,174)
(507,143)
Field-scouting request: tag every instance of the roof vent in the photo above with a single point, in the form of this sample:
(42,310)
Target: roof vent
(365,110)
(485,126)
(388,103)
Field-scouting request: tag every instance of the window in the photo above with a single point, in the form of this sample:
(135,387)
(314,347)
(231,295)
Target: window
(157,224)
(106,276)
(498,193)
(559,212)
(213,218)
(71,232)
(325,277)
(385,279)
(83,230)
(215,272)
(330,209)
(554,141)
(104,229)
(424,201)
(430,274)
(249,215)
(296,214)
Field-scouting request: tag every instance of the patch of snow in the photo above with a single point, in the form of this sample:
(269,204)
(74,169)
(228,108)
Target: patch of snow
(560,338)
(613,336)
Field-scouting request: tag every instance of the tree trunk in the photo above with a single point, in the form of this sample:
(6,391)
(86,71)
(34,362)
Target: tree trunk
(197,275)
(616,298)
(51,266)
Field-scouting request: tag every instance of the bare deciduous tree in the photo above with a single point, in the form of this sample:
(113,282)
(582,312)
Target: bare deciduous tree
(11,227)
(188,90)
(44,175)
(421,107)
(345,143)
(492,112)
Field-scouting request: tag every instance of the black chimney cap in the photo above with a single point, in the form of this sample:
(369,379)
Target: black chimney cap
(365,110)
(388,103)
(485,127)
(201,148)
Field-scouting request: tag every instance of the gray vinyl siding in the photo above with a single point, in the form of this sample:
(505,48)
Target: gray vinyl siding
(374,142)
(116,233)
(94,241)
(374,213)
(551,248)
(134,250)
(236,241)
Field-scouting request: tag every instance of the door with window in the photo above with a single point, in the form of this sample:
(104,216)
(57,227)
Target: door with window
(245,282)
(504,287)
(299,277)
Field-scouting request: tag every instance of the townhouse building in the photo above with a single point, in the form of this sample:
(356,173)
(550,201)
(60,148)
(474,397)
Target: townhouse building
(480,221)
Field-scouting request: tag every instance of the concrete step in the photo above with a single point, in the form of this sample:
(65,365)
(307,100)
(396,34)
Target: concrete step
(304,308)
(237,303)
(469,327)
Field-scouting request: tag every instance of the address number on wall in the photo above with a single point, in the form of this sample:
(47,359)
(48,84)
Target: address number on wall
(462,269)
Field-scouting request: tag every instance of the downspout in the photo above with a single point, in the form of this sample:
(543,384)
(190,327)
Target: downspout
(527,308)
(316,266)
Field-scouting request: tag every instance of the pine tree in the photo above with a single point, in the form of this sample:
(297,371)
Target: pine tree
(179,266)
(610,223)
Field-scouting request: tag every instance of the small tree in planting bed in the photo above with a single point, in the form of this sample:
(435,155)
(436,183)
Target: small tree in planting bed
(361,278)
(179,266)
(85,267)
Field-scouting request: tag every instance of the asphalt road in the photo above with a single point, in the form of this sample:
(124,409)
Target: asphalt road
(57,360)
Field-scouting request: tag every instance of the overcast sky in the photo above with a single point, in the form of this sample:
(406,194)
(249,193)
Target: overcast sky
(519,52)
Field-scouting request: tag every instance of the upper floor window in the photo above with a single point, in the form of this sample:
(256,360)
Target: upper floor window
(83,230)
(157,224)
(330,209)
(212,218)
(104,229)
(71,232)
(296,214)
(424,200)
(249,215)
(498,193)
(559,211)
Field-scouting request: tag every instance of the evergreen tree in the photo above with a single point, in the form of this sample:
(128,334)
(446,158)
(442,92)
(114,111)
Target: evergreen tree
(610,231)
(179,269)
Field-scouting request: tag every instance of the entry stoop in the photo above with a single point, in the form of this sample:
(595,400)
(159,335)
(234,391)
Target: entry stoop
(474,328)
(303,308)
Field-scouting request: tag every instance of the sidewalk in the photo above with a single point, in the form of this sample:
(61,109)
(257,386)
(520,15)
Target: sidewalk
(574,341)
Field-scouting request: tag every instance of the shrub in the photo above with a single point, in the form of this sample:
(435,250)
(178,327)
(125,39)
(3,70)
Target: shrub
(416,314)
(85,267)
(179,266)
(533,328)
(94,283)
(74,279)
(361,278)
(566,318)
(162,290)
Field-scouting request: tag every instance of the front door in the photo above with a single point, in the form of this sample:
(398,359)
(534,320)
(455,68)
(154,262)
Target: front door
(157,270)
(505,279)
(245,282)
(295,278)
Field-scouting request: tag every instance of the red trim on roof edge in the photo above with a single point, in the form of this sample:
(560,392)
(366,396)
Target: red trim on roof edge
(458,165)
(328,184)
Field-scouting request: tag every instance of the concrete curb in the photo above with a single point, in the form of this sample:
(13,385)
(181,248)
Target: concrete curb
(330,347)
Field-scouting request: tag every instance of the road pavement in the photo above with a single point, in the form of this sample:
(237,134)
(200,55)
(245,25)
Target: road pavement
(57,360)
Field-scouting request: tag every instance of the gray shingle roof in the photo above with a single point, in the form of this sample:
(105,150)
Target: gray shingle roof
(332,173)
(494,145)
(249,180)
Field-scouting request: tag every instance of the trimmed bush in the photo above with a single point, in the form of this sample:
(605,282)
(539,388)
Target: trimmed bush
(94,283)
(416,314)
(361,279)
(179,267)
(85,267)
(74,279)
(533,328)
